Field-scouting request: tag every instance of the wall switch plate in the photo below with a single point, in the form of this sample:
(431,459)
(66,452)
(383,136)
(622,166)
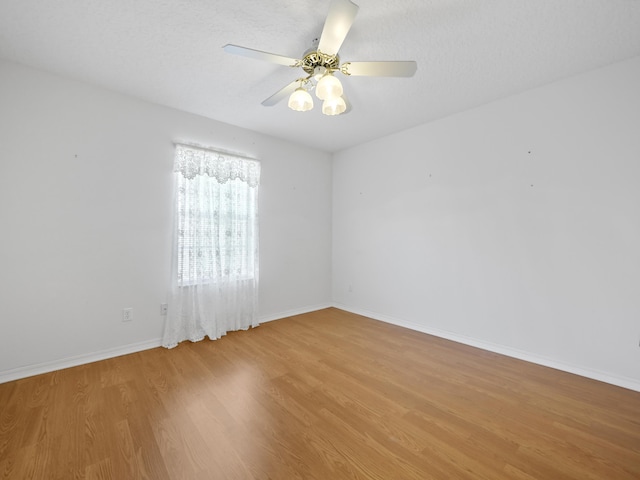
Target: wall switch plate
(127,314)
(163,308)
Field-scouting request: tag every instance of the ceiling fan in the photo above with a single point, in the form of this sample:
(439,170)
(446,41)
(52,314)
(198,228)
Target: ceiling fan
(322,61)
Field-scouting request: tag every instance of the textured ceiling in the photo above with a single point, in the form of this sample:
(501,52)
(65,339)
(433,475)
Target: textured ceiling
(169,52)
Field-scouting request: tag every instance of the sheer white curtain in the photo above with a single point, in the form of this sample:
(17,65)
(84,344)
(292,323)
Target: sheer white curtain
(214,278)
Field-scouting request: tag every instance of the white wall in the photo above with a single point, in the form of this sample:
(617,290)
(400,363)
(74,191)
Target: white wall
(452,227)
(85,218)
(514,226)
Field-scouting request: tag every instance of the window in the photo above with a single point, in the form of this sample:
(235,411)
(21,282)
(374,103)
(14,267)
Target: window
(216,216)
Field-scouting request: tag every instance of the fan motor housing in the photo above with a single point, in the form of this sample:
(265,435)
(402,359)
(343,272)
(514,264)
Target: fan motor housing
(315,58)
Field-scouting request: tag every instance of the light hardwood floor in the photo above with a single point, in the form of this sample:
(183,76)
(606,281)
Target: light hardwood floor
(326,396)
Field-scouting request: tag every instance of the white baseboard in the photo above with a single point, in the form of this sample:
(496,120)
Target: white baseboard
(291,313)
(623,382)
(37,369)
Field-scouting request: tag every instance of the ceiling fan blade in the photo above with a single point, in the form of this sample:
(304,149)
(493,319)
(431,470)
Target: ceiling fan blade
(259,55)
(380,69)
(282,93)
(341,15)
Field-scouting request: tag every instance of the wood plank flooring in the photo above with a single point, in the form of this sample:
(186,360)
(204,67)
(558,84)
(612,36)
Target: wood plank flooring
(323,396)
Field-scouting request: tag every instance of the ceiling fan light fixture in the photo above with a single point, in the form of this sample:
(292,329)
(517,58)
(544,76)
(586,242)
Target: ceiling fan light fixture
(334,106)
(300,100)
(328,87)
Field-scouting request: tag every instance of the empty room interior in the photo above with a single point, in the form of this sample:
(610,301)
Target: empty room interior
(420,258)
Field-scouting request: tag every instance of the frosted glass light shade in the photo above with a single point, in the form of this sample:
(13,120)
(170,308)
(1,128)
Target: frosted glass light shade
(328,87)
(334,106)
(300,100)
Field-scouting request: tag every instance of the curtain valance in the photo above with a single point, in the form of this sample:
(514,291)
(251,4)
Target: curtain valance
(192,161)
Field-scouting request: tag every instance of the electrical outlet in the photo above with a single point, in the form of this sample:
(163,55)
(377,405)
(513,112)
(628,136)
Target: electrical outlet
(127,314)
(163,308)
